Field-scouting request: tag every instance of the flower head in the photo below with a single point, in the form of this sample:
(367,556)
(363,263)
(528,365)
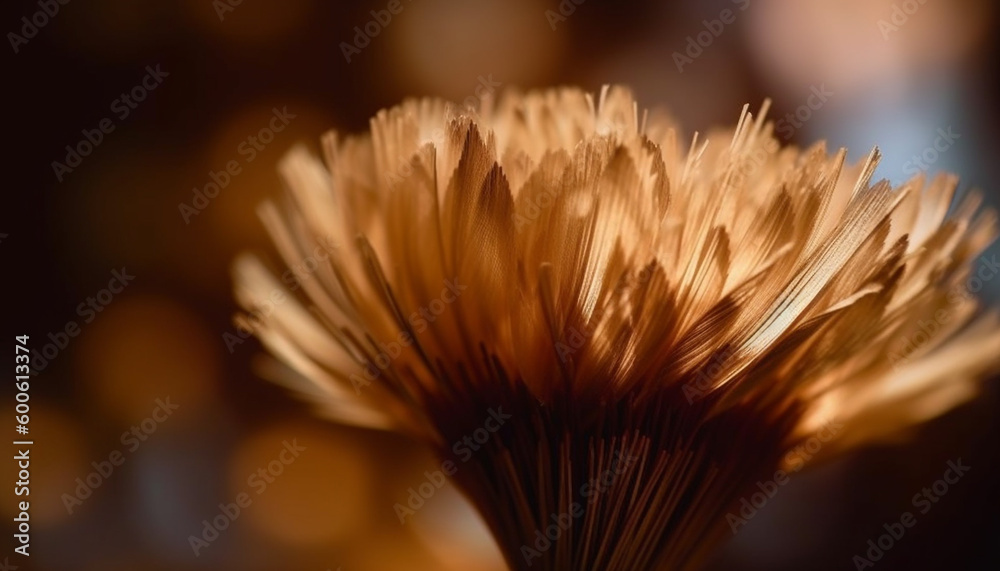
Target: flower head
(662,321)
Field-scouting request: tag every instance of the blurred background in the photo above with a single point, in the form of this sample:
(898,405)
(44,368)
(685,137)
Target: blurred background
(186,89)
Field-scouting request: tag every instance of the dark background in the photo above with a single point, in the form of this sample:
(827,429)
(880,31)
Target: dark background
(163,335)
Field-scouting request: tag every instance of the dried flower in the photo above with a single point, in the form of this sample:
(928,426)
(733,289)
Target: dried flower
(678,318)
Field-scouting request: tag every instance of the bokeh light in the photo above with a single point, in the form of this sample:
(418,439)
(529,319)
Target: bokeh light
(147,347)
(307,496)
(332,507)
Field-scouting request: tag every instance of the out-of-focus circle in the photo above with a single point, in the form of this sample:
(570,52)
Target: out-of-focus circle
(855,44)
(58,458)
(445,47)
(142,348)
(245,148)
(307,485)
